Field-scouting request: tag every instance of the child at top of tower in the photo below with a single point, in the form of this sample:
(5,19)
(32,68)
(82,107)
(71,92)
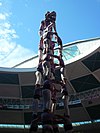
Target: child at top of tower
(50,18)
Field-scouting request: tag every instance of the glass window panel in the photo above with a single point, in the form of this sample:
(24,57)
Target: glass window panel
(8,78)
(85,83)
(93,62)
(27,91)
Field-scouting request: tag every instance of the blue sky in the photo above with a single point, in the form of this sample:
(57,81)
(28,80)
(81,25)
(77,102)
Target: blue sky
(20,21)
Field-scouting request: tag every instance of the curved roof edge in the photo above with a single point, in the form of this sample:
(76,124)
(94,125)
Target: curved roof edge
(4,69)
(81,41)
(16,68)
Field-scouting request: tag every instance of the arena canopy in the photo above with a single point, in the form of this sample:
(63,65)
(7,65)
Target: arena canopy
(71,52)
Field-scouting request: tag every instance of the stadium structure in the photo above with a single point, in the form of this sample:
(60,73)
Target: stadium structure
(82,60)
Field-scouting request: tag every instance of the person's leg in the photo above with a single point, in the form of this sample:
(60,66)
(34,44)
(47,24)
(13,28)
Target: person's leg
(37,94)
(38,77)
(47,129)
(55,128)
(35,106)
(46,99)
(33,127)
(68,125)
(53,107)
(63,73)
(46,69)
(66,102)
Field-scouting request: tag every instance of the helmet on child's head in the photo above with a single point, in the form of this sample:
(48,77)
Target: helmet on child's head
(51,16)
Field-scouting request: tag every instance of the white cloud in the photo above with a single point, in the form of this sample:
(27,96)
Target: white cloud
(6,25)
(10,52)
(2,16)
(0,4)
(14,54)
(6,32)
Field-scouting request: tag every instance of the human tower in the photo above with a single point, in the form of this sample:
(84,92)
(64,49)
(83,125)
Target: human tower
(45,85)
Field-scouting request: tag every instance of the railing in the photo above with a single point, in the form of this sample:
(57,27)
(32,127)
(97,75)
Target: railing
(90,94)
(27,103)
